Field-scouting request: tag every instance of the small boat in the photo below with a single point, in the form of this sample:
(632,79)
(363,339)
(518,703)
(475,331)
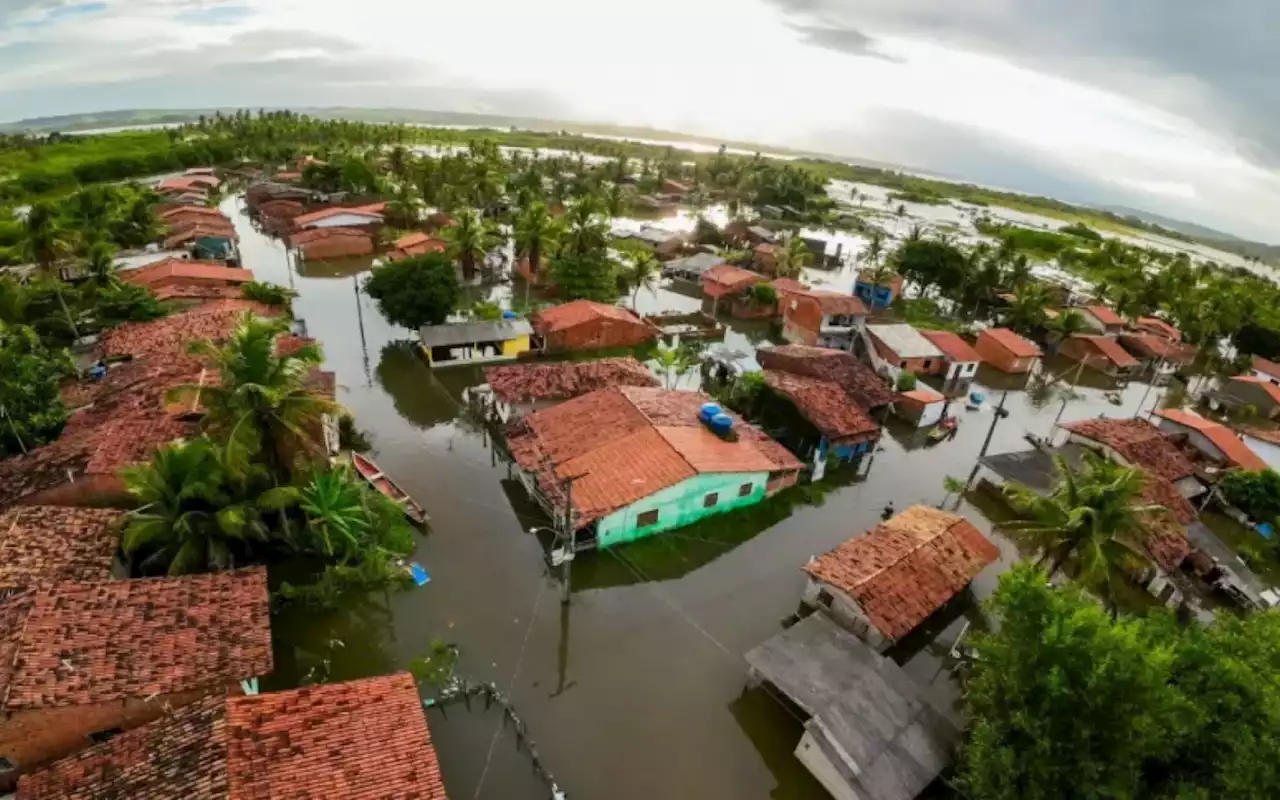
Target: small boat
(943,430)
(372,473)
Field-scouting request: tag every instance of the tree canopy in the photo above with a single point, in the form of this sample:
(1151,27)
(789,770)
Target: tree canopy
(416,291)
(32,412)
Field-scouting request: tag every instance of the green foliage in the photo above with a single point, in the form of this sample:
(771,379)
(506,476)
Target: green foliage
(1067,703)
(415,291)
(584,278)
(127,302)
(1082,231)
(763,294)
(930,263)
(436,668)
(486,310)
(1039,243)
(269,294)
(906,382)
(792,258)
(643,272)
(30,373)
(1255,493)
(470,239)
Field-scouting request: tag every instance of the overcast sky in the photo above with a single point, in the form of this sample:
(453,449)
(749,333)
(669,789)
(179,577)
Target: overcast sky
(1164,105)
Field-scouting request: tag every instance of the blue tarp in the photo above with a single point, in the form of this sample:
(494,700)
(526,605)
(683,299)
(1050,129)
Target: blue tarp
(419,574)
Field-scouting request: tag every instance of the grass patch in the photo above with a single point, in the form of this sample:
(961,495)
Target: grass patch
(923,313)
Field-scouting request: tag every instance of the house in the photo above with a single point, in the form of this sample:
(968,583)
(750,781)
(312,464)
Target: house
(474,342)
(820,319)
(870,731)
(341,217)
(319,244)
(187,273)
(1136,442)
(415,244)
(183,183)
(832,423)
(643,461)
(1158,327)
(960,360)
(1266,370)
(180,215)
(724,280)
(518,389)
(1101,319)
(903,349)
(764,257)
(1101,353)
(363,738)
(1007,351)
(1156,354)
(691,268)
(87,660)
(1263,443)
(922,406)
(1213,439)
(1250,391)
(215,239)
(877,296)
(171,334)
(856,379)
(884,583)
(584,325)
(739,232)
(50,544)
(674,187)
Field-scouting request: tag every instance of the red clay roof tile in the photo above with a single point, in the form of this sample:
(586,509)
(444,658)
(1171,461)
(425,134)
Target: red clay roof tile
(41,544)
(171,334)
(517,383)
(1220,435)
(1104,315)
(1266,367)
(1138,442)
(1015,344)
(1109,348)
(1160,327)
(866,388)
(569,315)
(824,404)
(956,349)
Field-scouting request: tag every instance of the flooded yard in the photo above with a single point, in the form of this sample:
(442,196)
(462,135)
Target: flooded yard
(636,689)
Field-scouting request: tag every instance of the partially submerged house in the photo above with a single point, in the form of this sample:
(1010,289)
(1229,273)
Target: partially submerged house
(1250,392)
(959,359)
(724,281)
(86,661)
(587,325)
(630,462)
(884,583)
(878,296)
(1265,370)
(1101,319)
(1136,442)
(475,342)
(1101,353)
(415,244)
(1263,443)
(1213,439)
(856,379)
(518,389)
(870,732)
(362,738)
(367,216)
(901,348)
(1158,327)
(921,406)
(1007,351)
(820,318)
(320,244)
(175,273)
(1156,354)
(691,268)
(835,425)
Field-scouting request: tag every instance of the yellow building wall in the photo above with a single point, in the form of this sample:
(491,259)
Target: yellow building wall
(516,346)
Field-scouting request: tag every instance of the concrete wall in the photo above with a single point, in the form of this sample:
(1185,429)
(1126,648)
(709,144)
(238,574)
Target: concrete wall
(681,504)
(1197,439)
(815,759)
(998,356)
(844,610)
(1266,451)
(961,370)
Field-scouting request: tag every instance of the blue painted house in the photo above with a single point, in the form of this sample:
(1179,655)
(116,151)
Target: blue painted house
(878,297)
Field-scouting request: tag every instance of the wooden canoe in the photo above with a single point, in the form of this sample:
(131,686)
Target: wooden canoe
(373,474)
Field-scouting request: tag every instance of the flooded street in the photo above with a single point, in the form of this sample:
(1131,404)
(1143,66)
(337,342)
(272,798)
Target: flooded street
(636,690)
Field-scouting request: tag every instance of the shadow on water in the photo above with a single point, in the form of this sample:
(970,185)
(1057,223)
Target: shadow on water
(774,729)
(423,396)
(337,268)
(354,641)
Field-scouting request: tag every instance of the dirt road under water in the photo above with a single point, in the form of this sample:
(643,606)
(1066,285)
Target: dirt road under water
(636,690)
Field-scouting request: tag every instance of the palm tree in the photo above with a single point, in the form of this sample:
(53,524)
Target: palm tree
(44,242)
(470,240)
(674,363)
(335,511)
(1019,272)
(100,267)
(260,405)
(1065,325)
(1027,312)
(952,486)
(643,273)
(791,259)
(536,232)
(587,231)
(1094,514)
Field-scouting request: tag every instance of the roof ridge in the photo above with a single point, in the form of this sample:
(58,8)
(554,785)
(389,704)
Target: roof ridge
(919,543)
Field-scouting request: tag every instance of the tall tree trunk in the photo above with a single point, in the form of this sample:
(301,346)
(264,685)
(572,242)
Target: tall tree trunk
(535,257)
(468,266)
(57,286)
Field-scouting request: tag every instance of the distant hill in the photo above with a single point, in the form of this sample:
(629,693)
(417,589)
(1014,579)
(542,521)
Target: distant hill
(1211,236)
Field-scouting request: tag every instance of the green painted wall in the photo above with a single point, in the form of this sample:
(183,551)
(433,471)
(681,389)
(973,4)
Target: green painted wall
(682,504)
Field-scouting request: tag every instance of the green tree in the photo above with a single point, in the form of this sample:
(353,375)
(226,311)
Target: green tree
(100,268)
(929,263)
(269,294)
(792,258)
(578,277)
(1067,324)
(1026,314)
(261,405)
(1095,514)
(416,291)
(642,272)
(470,240)
(45,243)
(586,230)
(1255,493)
(31,410)
(127,302)
(536,233)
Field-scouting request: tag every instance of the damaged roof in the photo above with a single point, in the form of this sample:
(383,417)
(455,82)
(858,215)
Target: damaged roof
(866,388)
(171,334)
(1138,442)
(824,404)
(517,383)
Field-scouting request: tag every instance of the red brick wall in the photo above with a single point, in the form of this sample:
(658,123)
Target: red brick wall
(338,247)
(599,334)
(801,318)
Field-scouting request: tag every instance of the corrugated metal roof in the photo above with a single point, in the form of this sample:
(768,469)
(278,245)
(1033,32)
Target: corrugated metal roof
(470,332)
(905,340)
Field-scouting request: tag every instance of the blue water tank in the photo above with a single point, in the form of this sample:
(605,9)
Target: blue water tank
(510,315)
(721,424)
(709,410)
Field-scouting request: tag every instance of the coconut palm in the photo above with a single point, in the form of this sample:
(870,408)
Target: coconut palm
(587,231)
(642,272)
(44,242)
(1019,272)
(952,486)
(1065,325)
(792,258)
(470,240)
(260,404)
(1027,313)
(1094,514)
(334,505)
(100,268)
(536,233)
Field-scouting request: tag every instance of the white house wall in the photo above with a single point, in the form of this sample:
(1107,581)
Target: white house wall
(1266,451)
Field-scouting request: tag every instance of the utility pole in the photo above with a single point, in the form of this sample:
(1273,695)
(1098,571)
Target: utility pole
(1155,373)
(999,414)
(1071,390)
(364,344)
(570,532)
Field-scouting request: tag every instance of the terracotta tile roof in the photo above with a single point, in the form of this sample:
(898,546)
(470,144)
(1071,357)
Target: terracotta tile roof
(1015,344)
(1109,348)
(1159,327)
(569,315)
(782,285)
(318,234)
(189,292)
(824,404)
(621,441)
(1149,345)
(416,244)
(866,388)
(171,334)
(731,277)
(186,270)
(1159,491)
(837,303)
(1266,367)
(177,211)
(415,238)
(99,642)
(924,396)
(1270,388)
(1166,542)
(40,544)
(956,349)
(1104,315)
(363,740)
(1138,442)
(903,570)
(517,383)
(1263,434)
(1220,435)
(373,210)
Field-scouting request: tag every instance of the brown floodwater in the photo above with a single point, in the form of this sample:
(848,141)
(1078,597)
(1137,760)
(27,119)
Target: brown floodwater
(636,690)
